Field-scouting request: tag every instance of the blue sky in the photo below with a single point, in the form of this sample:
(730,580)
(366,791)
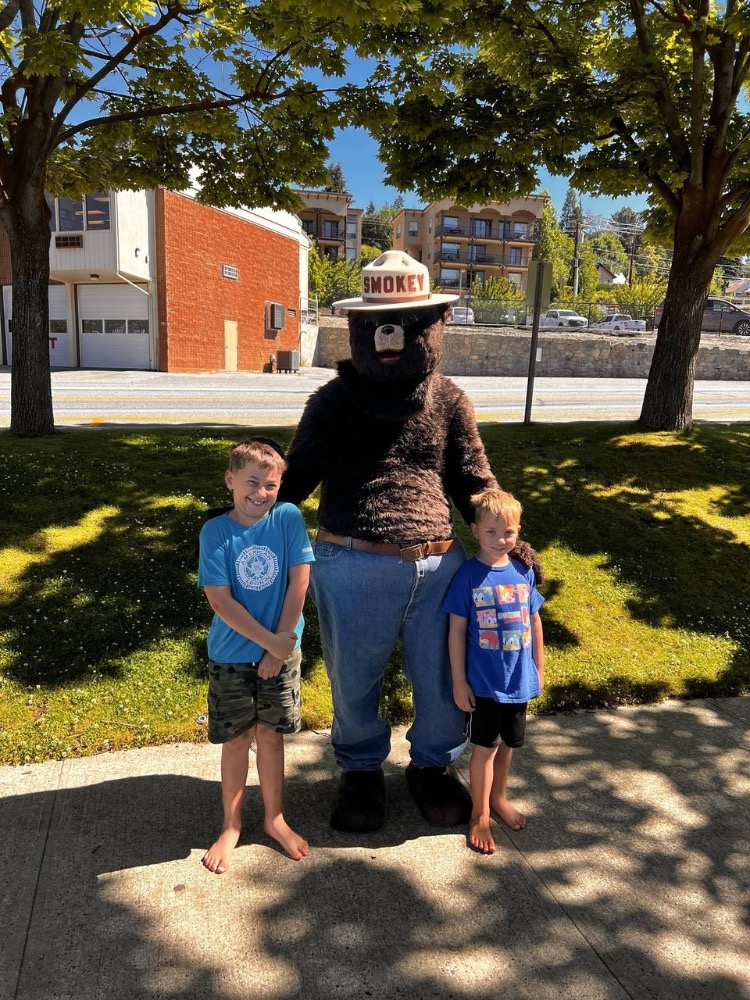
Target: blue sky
(363,172)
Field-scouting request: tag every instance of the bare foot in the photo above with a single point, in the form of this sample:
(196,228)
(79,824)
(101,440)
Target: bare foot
(480,837)
(508,813)
(295,846)
(219,854)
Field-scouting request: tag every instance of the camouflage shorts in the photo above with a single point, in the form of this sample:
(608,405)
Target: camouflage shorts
(238,698)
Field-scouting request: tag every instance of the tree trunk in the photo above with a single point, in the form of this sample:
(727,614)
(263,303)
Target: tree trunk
(27,225)
(668,400)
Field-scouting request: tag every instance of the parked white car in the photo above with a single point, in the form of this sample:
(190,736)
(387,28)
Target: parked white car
(619,322)
(461,314)
(563,317)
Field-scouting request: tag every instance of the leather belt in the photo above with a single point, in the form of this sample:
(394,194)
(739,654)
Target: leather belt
(408,553)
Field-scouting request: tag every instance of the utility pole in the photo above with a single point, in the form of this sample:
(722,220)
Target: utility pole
(576,259)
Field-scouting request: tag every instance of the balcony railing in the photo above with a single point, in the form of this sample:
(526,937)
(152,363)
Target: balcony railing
(500,232)
(490,260)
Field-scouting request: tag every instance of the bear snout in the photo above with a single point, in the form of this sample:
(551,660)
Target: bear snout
(389,337)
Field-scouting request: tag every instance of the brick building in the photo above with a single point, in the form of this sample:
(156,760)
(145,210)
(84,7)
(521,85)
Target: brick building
(155,280)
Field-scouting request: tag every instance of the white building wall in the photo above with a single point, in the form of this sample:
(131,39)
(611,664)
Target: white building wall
(98,253)
(133,211)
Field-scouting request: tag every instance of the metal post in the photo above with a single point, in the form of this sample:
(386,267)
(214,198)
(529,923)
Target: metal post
(534,341)
(575,259)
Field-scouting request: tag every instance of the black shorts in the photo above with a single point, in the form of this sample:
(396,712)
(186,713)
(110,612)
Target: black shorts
(495,722)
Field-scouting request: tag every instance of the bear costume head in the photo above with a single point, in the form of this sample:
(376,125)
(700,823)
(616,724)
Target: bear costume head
(396,327)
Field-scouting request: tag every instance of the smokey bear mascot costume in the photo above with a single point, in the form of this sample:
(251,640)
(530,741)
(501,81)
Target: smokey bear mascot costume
(393,442)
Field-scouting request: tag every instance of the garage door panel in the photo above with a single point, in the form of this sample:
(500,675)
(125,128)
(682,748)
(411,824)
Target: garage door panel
(61,339)
(113,305)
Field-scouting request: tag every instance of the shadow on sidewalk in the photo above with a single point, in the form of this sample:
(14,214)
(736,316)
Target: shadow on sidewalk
(629,881)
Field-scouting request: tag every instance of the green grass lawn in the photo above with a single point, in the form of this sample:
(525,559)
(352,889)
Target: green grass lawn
(645,540)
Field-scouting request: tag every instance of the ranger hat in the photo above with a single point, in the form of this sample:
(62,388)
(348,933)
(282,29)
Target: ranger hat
(395,279)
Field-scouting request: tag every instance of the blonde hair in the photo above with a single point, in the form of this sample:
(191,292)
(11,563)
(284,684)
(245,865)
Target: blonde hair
(497,502)
(264,454)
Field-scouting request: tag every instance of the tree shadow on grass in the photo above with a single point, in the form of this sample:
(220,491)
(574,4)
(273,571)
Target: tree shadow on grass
(133,505)
(125,515)
(686,573)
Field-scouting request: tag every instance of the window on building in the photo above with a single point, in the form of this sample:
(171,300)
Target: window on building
(137,326)
(70,214)
(520,229)
(92,326)
(478,279)
(309,226)
(481,228)
(97,211)
(115,326)
(330,230)
(58,326)
(451,251)
(514,279)
(477,253)
(413,228)
(351,253)
(450,223)
(351,230)
(449,277)
(515,256)
(398,230)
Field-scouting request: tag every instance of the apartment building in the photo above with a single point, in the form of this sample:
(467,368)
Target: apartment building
(331,222)
(463,247)
(155,280)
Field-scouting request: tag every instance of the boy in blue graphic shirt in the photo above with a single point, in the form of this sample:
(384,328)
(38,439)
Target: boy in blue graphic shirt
(254,568)
(496,651)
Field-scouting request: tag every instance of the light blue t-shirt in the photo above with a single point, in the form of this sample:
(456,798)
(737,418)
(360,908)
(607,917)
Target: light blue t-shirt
(498,602)
(254,562)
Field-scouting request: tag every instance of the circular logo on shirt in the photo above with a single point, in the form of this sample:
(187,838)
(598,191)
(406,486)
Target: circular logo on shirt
(257,567)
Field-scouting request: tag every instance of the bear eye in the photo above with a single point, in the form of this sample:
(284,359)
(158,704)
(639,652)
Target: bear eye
(423,318)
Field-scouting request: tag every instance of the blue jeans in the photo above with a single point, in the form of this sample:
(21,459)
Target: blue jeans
(365,603)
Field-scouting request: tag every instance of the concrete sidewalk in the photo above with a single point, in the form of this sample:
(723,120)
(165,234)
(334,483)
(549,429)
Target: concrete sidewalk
(631,880)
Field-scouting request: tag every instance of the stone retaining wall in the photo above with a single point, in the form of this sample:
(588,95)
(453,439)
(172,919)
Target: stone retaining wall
(502,351)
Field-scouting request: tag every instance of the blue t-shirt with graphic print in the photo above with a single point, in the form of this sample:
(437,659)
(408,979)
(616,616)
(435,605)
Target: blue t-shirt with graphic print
(498,602)
(253,561)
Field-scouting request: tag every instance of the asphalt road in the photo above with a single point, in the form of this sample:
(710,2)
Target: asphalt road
(94,397)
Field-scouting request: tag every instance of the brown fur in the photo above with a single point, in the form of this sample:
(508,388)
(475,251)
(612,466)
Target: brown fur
(392,443)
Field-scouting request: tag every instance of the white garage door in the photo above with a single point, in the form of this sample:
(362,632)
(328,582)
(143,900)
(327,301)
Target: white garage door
(114,326)
(61,343)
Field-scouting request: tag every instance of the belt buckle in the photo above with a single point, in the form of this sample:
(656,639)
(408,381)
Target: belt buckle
(412,553)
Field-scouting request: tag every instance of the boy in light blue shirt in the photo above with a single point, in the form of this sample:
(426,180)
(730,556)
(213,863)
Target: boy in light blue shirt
(496,651)
(255,570)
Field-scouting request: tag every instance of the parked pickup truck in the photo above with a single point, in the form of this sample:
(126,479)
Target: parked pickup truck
(563,317)
(619,321)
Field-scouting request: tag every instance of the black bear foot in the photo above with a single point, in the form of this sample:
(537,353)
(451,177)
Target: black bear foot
(360,802)
(442,799)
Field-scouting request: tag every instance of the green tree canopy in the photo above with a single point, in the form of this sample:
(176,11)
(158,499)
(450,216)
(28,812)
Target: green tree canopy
(641,297)
(377,224)
(608,249)
(237,100)
(556,247)
(336,180)
(636,98)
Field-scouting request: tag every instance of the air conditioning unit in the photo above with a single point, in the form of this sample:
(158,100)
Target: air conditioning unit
(275,316)
(287,361)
